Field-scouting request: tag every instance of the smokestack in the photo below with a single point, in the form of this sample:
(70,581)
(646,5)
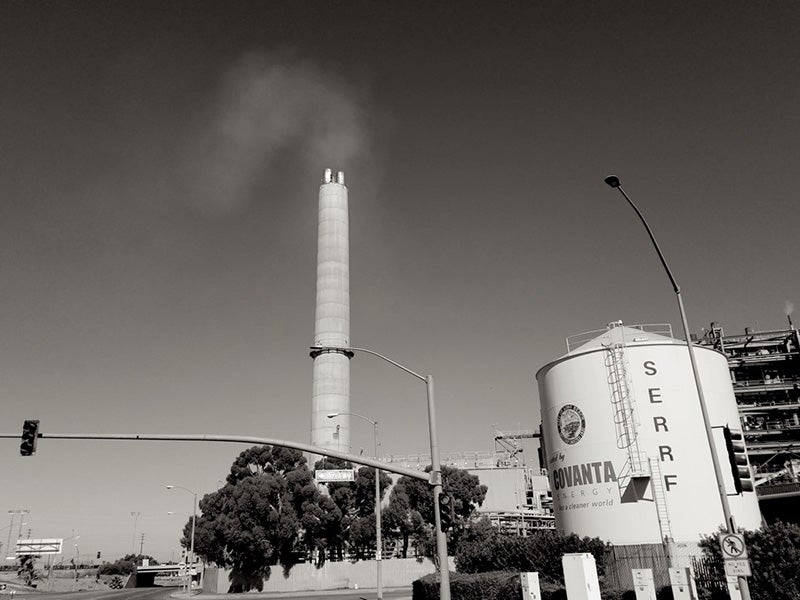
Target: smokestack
(331,386)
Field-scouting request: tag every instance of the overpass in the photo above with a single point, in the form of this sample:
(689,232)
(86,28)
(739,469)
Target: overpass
(145,575)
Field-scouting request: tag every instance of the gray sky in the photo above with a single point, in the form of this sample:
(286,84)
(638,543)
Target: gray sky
(160,169)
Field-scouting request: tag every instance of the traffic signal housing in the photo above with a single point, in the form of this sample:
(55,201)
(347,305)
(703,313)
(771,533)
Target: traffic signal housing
(446,511)
(737,455)
(30,433)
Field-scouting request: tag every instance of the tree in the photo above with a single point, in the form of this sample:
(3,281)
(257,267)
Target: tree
(268,506)
(410,514)
(26,570)
(774,553)
(355,502)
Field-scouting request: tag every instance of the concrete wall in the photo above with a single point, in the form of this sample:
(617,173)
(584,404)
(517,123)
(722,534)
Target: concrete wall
(397,572)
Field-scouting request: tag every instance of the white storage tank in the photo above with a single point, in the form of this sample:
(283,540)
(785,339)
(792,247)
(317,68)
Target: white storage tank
(624,441)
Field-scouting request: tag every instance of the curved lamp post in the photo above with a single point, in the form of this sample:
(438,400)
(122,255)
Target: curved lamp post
(436,467)
(191,544)
(378,540)
(614,182)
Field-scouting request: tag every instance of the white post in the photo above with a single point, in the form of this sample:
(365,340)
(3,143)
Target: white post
(580,576)
(643,584)
(530,586)
(681,582)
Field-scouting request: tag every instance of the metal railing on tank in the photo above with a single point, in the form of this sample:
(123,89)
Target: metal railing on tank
(576,341)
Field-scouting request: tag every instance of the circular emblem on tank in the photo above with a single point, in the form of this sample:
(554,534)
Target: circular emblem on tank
(571,424)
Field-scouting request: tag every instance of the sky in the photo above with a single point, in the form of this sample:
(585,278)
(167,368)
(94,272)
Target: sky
(160,170)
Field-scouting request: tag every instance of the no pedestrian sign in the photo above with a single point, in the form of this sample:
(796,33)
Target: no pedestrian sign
(732,546)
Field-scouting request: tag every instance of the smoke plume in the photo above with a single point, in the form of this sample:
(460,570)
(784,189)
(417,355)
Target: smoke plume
(270,105)
(788,308)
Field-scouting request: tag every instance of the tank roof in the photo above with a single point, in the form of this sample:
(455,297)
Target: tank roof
(617,333)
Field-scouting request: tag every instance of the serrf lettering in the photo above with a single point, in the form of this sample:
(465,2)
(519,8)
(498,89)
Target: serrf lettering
(654,393)
(649,368)
(584,474)
(665,451)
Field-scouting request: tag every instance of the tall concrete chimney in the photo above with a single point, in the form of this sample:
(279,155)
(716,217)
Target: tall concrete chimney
(331,388)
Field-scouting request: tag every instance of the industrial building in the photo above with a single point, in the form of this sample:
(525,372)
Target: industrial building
(765,373)
(518,499)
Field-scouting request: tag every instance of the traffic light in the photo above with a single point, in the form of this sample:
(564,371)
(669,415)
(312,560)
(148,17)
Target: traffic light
(30,433)
(98,555)
(446,511)
(737,455)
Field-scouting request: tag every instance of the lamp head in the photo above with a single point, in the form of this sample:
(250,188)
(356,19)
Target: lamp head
(332,415)
(169,487)
(612,180)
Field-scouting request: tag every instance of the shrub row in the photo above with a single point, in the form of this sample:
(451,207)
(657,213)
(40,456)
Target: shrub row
(503,585)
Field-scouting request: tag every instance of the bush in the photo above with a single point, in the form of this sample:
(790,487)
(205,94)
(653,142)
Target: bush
(483,548)
(497,585)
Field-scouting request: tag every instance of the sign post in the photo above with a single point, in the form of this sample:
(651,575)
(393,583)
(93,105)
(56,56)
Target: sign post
(734,552)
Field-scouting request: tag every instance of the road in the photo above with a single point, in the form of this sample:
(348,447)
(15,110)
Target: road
(167,593)
(132,594)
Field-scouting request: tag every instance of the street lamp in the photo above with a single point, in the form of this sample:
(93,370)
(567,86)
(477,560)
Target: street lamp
(614,182)
(436,467)
(378,541)
(191,545)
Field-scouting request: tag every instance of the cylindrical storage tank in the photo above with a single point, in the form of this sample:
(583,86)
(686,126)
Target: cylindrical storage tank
(671,489)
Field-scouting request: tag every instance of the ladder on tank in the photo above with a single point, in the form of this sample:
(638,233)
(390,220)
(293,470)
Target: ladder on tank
(634,476)
(660,499)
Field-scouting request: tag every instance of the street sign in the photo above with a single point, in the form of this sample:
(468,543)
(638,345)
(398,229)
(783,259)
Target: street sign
(732,546)
(335,475)
(737,567)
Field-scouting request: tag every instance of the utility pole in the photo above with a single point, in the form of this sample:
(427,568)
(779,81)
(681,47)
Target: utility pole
(141,545)
(135,516)
(20,512)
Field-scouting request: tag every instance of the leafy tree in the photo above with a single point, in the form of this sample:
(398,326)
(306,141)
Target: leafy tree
(774,553)
(26,570)
(355,502)
(268,507)
(410,514)
(400,521)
